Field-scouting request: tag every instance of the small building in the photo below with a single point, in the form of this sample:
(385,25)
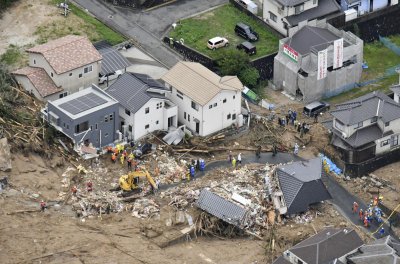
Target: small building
(331,245)
(307,66)
(365,6)
(285,14)
(383,251)
(71,63)
(206,102)
(89,116)
(143,106)
(301,185)
(365,128)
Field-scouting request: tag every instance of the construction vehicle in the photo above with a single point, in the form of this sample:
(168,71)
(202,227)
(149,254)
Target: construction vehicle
(129,183)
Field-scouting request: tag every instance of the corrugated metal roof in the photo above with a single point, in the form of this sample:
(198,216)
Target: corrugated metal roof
(199,83)
(112,58)
(222,209)
(132,92)
(375,104)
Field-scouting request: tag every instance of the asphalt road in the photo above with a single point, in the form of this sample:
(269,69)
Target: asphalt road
(148,28)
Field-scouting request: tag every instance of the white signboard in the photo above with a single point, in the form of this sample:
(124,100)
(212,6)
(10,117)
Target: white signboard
(322,64)
(338,53)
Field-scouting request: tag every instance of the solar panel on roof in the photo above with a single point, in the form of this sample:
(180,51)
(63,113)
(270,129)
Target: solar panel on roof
(83,103)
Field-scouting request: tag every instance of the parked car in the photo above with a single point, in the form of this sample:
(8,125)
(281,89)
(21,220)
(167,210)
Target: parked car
(112,76)
(246,32)
(142,149)
(247,47)
(217,42)
(316,108)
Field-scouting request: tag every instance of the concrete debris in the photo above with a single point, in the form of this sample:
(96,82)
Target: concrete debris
(303,218)
(145,208)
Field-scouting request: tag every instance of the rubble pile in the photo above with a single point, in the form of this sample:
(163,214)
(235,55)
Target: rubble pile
(145,208)
(96,203)
(169,171)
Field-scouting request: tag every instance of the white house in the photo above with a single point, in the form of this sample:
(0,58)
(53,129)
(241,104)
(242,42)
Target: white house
(60,67)
(284,14)
(143,107)
(207,102)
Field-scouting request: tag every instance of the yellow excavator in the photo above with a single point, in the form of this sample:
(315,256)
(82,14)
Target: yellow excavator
(129,183)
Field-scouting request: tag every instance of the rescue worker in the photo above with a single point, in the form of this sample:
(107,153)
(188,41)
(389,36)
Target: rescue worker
(361,214)
(122,159)
(74,190)
(233,162)
(230,156)
(43,206)
(296,148)
(274,150)
(382,231)
(89,186)
(113,158)
(258,152)
(129,163)
(239,159)
(355,207)
(125,154)
(366,222)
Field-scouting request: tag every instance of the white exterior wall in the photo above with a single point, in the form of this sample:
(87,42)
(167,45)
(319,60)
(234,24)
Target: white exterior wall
(382,149)
(28,86)
(211,120)
(73,83)
(215,119)
(393,126)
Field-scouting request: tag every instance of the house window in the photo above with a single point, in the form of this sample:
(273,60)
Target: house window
(130,128)
(127,112)
(157,122)
(34,61)
(184,115)
(96,126)
(273,17)
(106,119)
(61,95)
(179,94)
(146,110)
(146,126)
(224,101)
(395,140)
(82,127)
(387,124)
(233,116)
(210,106)
(233,97)
(67,126)
(111,117)
(215,105)
(80,75)
(195,106)
(189,118)
(106,135)
(374,119)
(51,74)
(88,69)
(70,74)
(63,124)
(359,124)
(228,116)
(384,143)
(298,9)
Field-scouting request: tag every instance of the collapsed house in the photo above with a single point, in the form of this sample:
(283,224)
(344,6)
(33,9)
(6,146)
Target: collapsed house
(300,186)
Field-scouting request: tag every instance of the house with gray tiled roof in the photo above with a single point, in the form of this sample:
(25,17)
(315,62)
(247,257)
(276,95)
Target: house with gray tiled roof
(285,14)
(329,246)
(143,106)
(301,185)
(366,127)
(60,67)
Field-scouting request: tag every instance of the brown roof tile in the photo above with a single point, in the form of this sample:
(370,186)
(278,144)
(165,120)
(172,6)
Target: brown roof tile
(68,53)
(40,79)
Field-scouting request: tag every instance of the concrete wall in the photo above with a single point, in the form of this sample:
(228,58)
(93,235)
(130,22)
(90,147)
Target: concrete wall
(107,130)
(72,83)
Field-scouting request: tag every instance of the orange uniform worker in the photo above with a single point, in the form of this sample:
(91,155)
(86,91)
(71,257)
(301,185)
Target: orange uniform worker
(361,214)
(355,207)
(366,221)
(113,157)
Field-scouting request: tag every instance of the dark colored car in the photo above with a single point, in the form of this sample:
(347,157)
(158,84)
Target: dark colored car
(247,47)
(142,149)
(246,32)
(315,108)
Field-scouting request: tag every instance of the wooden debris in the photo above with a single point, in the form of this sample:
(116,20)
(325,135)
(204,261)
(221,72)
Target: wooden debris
(24,211)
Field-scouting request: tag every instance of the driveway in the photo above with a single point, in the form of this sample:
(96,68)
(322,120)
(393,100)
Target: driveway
(147,28)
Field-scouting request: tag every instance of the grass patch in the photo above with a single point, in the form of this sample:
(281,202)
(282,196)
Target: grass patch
(14,57)
(78,22)
(379,59)
(221,22)
(383,86)
(395,39)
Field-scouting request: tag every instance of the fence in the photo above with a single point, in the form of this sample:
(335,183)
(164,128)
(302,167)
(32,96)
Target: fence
(390,45)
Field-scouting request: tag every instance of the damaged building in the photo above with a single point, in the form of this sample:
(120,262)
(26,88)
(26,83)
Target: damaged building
(317,61)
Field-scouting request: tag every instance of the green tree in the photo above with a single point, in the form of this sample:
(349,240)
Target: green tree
(232,61)
(249,76)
